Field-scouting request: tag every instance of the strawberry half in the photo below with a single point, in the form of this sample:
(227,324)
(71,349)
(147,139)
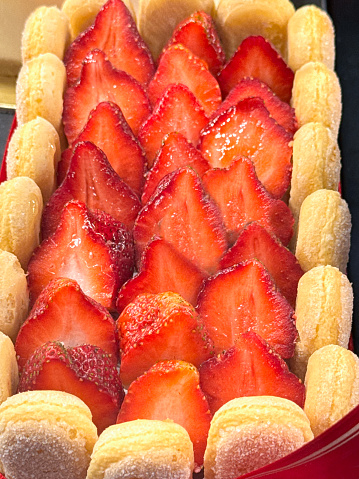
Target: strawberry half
(115,33)
(177,110)
(95,250)
(162,269)
(256,57)
(181,214)
(100,81)
(176,151)
(92,180)
(85,371)
(179,65)
(242,199)
(247,129)
(249,368)
(255,242)
(108,130)
(243,298)
(64,313)
(170,390)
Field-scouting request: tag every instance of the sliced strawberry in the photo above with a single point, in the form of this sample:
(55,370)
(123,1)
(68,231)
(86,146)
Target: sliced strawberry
(247,129)
(254,241)
(176,151)
(249,368)
(64,313)
(181,214)
(100,81)
(96,252)
(179,65)
(108,129)
(256,57)
(177,110)
(198,34)
(243,298)
(282,113)
(162,269)
(170,390)
(242,199)
(92,180)
(85,371)
(114,32)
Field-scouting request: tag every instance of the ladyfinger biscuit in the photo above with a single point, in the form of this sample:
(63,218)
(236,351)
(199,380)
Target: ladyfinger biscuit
(20,215)
(324,313)
(46,31)
(14,295)
(9,376)
(45,435)
(332,385)
(323,231)
(316,96)
(142,449)
(310,38)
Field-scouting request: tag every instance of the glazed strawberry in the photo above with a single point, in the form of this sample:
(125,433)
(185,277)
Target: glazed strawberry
(179,65)
(92,180)
(85,371)
(243,298)
(255,242)
(176,151)
(198,34)
(177,110)
(95,251)
(247,129)
(242,199)
(170,390)
(108,129)
(64,313)
(115,33)
(181,214)
(256,57)
(100,81)
(249,368)
(162,269)
(282,113)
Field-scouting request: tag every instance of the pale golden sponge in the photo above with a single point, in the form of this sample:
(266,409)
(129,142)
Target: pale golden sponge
(310,38)
(324,312)
(332,386)
(14,295)
(142,449)
(9,376)
(250,432)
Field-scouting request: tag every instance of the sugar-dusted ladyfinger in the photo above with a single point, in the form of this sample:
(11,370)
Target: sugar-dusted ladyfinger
(9,376)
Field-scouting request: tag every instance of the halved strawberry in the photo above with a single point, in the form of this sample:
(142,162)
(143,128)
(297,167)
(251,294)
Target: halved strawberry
(198,34)
(156,327)
(256,57)
(181,214)
(64,313)
(176,151)
(179,65)
(162,269)
(92,180)
(243,298)
(255,242)
(100,81)
(247,129)
(170,390)
(282,113)
(107,129)
(115,33)
(95,251)
(177,110)
(242,199)
(249,368)
(85,371)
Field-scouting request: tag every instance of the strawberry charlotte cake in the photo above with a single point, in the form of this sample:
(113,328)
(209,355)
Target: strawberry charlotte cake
(173,245)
